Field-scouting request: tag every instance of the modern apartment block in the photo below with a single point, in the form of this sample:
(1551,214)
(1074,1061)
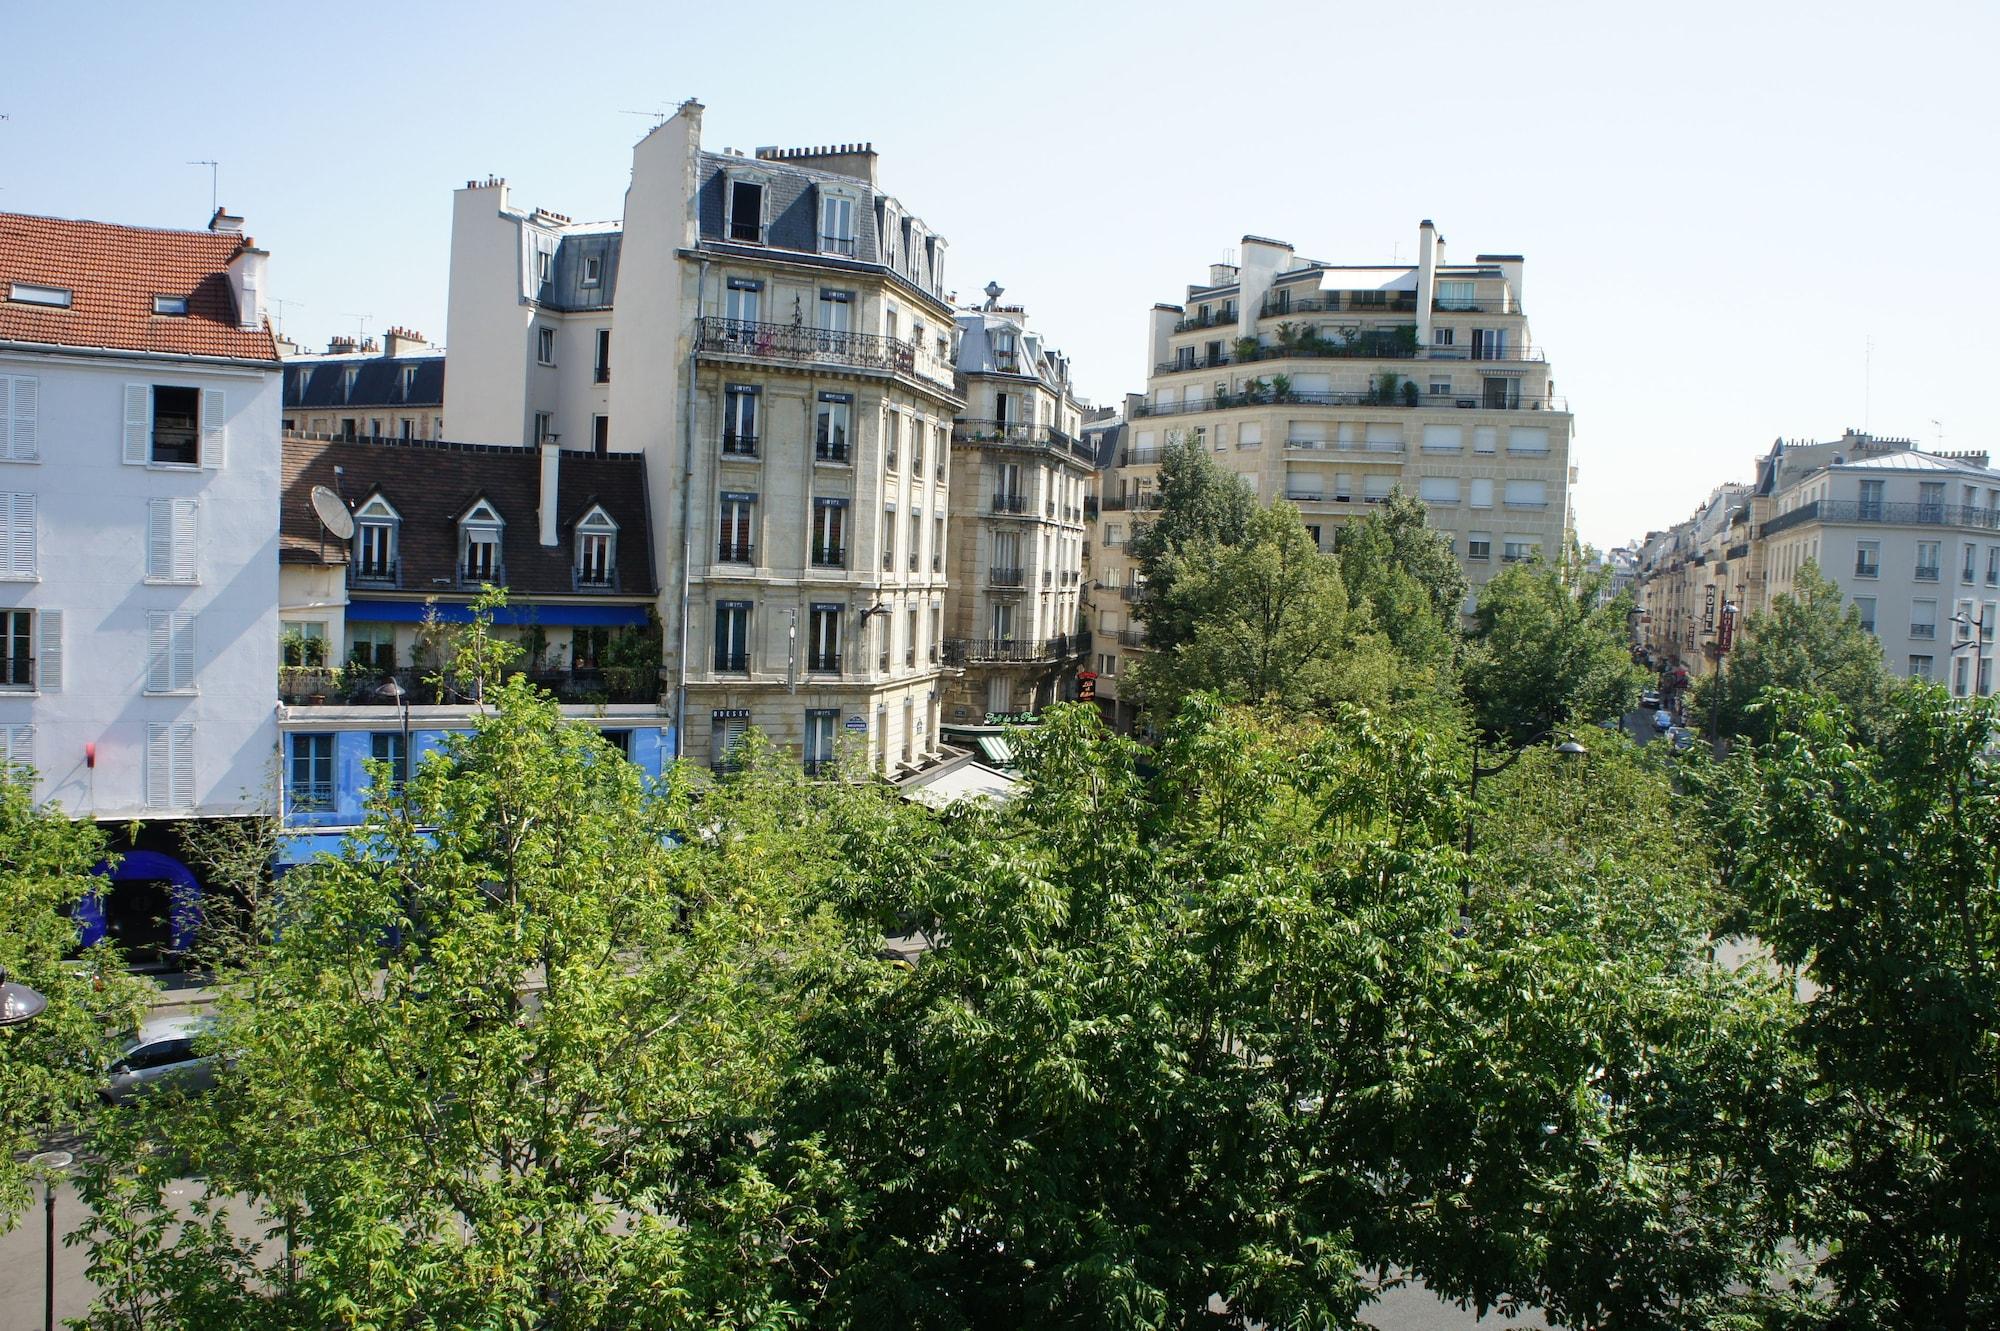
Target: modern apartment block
(1332,385)
(773,334)
(1912,538)
(139,475)
(359,390)
(1017,517)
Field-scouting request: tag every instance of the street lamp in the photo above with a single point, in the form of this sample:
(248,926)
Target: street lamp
(18,1003)
(396,695)
(50,1165)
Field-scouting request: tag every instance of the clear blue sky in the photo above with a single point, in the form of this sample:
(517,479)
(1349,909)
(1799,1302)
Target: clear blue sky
(1720,204)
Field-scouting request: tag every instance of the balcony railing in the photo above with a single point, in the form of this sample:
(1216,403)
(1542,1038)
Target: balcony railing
(1927,572)
(1914,515)
(1373,397)
(1010,503)
(309,796)
(379,574)
(1005,577)
(1366,350)
(829,557)
(1862,570)
(974,651)
(791,342)
(735,663)
(594,579)
(1222,318)
(1280,303)
(1344,446)
(361,685)
(739,445)
(1923,630)
(1144,500)
(1131,637)
(602,374)
(1017,435)
(837,245)
(729,552)
(823,663)
(1133,591)
(473,575)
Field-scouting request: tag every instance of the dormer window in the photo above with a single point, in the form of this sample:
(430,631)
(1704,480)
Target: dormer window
(596,551)
(746,211)
(375,527)
(593,270)
(409,382)
(1005,358)
(479,532)
(836,223)
(170,304)
(34,293)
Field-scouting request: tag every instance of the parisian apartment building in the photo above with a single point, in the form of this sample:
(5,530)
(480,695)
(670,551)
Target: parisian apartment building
(771,331)
(140,394)
(361,389)
(1912,539)
(1017,530)
(1332,386)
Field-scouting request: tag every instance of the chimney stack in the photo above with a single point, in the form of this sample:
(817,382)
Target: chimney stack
(400,341)
(551,467)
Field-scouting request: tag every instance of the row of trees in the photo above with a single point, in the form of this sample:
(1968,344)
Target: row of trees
(1228,1030)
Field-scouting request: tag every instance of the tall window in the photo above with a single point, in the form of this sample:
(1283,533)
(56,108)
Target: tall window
(892,438)
(823,639)
(1871,501)
(746,211)
(917,449)
(479,535)
(822,732)
(940,451)
(732,635)
(17,652)
(829,534)
(744,300)
(1928,555)
(836,311)
(596,550)
(1005,357)
(169,426)
(1003,621)
(545,346)
(836,224)
(727,731)
(311,783)
(910,639)
(937,630)
(602,371)
(739,420)
(375,524)
(888,538)
(830,433)
(388,746)
(937,544)
(916,539)
(735,526)
(1930,501)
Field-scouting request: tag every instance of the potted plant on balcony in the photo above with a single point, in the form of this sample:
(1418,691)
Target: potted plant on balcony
(1281,387)
(1247,349)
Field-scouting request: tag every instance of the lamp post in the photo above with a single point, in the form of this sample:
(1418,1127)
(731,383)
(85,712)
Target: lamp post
(50,1165)
(18,1003)
(396,695)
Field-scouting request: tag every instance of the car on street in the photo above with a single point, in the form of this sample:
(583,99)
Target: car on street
(1650,698)
(1681,738)
(159,1056)
(1663,720)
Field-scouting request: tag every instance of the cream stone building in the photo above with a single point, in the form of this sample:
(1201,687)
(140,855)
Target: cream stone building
(772,333)
(1332,386)
(1024,471)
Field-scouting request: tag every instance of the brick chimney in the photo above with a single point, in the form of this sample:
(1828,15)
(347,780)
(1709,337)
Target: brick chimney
(842,159)
(400,341)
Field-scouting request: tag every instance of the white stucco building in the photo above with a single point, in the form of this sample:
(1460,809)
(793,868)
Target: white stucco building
(772,333)
(139,478)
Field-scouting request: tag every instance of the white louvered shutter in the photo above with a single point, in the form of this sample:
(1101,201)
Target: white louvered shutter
(138,424)
(186,548)
(183,654)
(19,414)
(159,764)
(182,743)
(213,433)
(159,654)
(21,524)
(21,745)
(49,670)
(159,538)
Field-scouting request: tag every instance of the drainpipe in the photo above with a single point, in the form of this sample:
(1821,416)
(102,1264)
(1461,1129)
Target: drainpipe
(687,526)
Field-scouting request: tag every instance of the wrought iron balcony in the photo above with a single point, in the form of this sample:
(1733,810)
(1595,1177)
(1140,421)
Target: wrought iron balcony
(1010,503)
(790,342)
(739,445)
(309,796)
(731,552)
(1009,651)
(735,663)
(594,579)
(1222,318)
(1131,637)
(1005,577)
(377,574)
(829,556)
(473,576)
(1892,515)
(823,663)
(1401,396)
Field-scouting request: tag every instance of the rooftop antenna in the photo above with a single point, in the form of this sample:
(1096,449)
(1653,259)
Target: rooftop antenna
(214,171)
(280,302)
(1867,384)
(658,118)
(1940,434)
(360,327)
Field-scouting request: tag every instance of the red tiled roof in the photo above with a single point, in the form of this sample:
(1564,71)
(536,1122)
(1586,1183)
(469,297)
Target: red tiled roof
(114,272)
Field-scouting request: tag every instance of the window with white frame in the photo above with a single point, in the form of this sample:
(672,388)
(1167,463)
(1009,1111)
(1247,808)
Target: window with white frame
(829,533)
(170,540)
(1438,489)
(22,632)
(169,651)
(309,783)
(1865,607)
(170,765)
(831,426)
(169,425)
(1919,668)
(1515,549)
(823,637)
(736,527)
(1485,438)
(596,549)
(732,635)
(545,346)
(822,732)
(739,419)
(836,311)
(1867,559)
(593,270)
(375,526)
(1455,295)
(479,544)
(20,413)
(20,537)
(743,301)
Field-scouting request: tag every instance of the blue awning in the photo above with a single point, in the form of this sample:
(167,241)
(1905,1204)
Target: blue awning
(460,612)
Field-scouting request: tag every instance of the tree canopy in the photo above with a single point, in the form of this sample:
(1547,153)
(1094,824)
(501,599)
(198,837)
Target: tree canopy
(1807,642)
(1200,509)
(1549,650)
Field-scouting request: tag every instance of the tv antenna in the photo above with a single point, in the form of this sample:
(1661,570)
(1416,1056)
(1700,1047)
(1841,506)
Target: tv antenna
(658,118)
(280,302)
(214,173)
(360,327)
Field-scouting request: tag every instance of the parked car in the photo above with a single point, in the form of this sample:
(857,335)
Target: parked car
(1650,698)
(1681,738)
(1663,720)
(160,1055)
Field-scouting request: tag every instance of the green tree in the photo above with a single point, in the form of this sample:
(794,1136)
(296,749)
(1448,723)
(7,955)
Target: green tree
(1808,642)
(1547,654)
(1202,508)
(1406,575)
(499,1065)
(1870,868)
(1268,622)
(50,1067)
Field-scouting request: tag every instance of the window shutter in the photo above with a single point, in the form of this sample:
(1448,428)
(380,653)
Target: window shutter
(159,764)
(183,656)
(21,536)
(212,432)
(21,745)
(48,672)
(159,641)
(159,538)
(185,546)
(183,770)
(20,396)
(138,424)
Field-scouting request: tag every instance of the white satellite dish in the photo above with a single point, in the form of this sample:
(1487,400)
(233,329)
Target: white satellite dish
(333,514)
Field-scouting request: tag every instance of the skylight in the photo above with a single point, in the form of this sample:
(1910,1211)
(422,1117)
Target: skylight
(31,293)
(170,304)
